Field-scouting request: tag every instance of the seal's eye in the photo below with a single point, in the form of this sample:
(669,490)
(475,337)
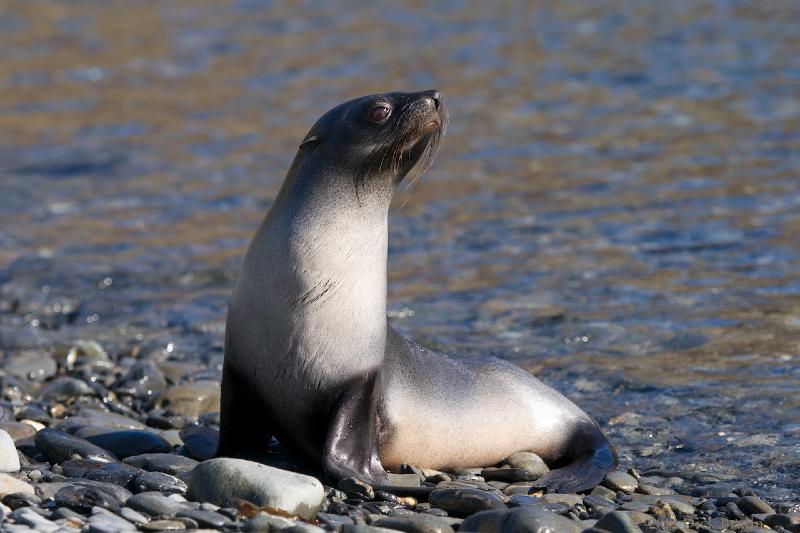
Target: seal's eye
(379,112)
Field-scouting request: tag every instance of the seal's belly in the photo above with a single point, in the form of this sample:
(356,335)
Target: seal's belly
(462,432)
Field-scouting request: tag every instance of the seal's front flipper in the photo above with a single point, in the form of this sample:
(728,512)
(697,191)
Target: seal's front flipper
(592,456)
(241,409)
(351,448)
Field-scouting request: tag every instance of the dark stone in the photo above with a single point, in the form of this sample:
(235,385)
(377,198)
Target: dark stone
(35,413)
(162,462)
(509,475)
(157,481)
(790,521)
(355,488)
(464,502)
(116,473)
(205,518)
(124,443)
(58,447)
(80,467)
(15,500)
(201,441)
(82,498)
(520,520)
(754,505)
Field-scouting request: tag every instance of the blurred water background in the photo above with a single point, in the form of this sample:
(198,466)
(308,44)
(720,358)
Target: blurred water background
(616,206)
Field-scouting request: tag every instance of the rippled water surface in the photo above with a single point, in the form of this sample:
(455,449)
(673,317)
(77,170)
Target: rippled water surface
(616,206)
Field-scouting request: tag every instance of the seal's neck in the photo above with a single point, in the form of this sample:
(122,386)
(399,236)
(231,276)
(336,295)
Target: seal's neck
(323,253)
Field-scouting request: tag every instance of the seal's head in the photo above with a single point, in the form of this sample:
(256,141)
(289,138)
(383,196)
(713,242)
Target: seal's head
(377,140)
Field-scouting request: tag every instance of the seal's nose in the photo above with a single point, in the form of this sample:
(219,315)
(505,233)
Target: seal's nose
(436,96)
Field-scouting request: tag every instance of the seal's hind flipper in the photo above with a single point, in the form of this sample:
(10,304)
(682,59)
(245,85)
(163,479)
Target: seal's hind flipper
(351,447)
(595,457)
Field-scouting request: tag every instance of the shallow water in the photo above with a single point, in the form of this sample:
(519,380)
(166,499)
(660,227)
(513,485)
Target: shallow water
(616,205)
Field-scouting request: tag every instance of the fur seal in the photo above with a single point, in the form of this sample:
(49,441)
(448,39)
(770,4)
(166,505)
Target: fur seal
(310,358)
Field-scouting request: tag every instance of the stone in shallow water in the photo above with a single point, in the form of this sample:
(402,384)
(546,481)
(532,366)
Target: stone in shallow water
(9,459)
(200,441)
(162,462)
(621,481)
(58,447)
(49,490)
(464,502)
(157,481)
(191,399)
(617,522)
(124,443)
(154,504)
(11,485)
(522,520)
(225,481)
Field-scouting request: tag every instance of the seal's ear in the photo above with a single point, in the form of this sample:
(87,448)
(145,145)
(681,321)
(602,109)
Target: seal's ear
(308,141)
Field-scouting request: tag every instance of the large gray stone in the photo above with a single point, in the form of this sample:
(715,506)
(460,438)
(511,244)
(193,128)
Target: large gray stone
(520,520)
(226,482)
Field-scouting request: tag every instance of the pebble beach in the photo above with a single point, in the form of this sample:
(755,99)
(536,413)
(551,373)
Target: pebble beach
(107,444)
(615,208)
